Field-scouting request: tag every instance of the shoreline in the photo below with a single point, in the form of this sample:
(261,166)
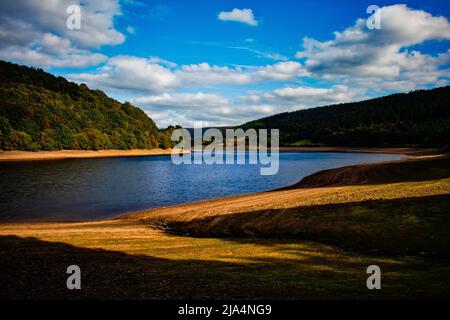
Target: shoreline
(220,201)
(19,156)
(309,182)
(27,156)
(409,154)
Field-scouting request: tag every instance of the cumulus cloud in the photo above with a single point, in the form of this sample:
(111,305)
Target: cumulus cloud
(130,73)
(239,15)
(74,59)
(156,75)
(210,108)
(35,32)
(183,108)
(216,110)
(381,57)
(294,98)
(180,100)
(205,74)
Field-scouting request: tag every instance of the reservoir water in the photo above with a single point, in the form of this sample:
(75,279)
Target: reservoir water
(91,189)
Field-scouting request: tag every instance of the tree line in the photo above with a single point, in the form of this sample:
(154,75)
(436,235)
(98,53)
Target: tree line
(418,118)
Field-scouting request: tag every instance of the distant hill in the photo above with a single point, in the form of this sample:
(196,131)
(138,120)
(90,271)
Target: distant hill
(39,111)
(418,118)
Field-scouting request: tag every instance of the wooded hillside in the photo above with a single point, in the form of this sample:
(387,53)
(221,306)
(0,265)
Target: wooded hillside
(39,111)
(418,118)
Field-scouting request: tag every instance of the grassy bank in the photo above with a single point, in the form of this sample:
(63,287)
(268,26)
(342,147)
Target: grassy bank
(313,241)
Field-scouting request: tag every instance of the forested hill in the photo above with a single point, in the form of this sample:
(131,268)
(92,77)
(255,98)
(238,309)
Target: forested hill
(418,118)
(39,111)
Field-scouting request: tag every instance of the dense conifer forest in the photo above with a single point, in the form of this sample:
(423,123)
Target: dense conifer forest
(418,118)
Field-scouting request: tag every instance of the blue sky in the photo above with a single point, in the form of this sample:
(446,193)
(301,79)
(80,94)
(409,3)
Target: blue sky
(189,31)
(227,62)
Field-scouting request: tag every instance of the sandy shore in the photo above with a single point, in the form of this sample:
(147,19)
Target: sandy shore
(74,154)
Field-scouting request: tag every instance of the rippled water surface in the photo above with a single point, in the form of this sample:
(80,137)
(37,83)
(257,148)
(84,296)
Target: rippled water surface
(89,189)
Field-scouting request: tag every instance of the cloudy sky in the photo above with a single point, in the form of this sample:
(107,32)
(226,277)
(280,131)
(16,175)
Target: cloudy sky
(225,62)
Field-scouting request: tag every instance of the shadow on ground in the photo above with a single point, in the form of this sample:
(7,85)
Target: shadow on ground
(32,268)
(407,226)
(36,269)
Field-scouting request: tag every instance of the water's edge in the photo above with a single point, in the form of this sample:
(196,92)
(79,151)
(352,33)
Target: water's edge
(85,190)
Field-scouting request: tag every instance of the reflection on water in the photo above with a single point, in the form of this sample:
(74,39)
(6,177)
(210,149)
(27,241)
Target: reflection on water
(89,189)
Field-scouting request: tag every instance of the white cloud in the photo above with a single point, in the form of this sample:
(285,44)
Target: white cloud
(216,110)
(37,58)
(380,58)
(183,108)
(205,74)
(35,32)
(294,98)
(239,15)
(180,100)
(156,75)
(130,73)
